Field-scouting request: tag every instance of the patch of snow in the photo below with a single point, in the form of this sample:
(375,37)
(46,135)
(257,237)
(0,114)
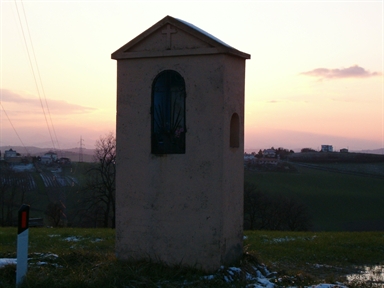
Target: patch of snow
(258,273)
(209,277)
(54,235)
(43,259)
(260,278)
(327,286)
(7,261)
(373,274)
(48,255)
(40,263)
(72,239)
(284,239)
(43,263)
(322,265)
(235,269)
(97,240)
(248,276)
(205,33)
(45,255)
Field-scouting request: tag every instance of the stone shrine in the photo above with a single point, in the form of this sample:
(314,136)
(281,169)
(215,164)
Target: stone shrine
(180,139)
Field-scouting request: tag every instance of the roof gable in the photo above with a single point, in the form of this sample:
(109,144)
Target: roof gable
(174,37)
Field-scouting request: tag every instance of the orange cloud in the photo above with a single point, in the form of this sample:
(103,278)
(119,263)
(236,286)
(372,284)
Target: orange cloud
(351,72)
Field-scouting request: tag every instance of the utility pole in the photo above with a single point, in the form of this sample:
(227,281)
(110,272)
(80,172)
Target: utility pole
(81,149)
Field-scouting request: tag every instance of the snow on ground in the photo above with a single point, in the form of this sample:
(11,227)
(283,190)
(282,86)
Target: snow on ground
(258,276)
(286,239)
(72,239)
(261,278)
(77,239)
(46,255)
(41,256)
(7,261)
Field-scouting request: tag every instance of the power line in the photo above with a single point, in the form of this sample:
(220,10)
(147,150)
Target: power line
(38,73)
(34,75)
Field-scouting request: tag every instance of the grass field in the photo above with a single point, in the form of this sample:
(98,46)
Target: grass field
(318,256)
(336,201)
(66,257)
(375,169)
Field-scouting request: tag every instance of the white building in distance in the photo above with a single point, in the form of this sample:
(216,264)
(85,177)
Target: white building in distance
(326,148)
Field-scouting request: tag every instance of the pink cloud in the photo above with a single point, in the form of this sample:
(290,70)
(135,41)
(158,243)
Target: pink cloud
(33,105)
(351,72)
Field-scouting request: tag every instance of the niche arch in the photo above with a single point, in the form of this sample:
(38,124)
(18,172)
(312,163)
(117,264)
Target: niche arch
(168,113)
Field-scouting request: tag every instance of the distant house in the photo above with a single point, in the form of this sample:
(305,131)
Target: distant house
(49,158)
(269,153)
(248,157)
(64,161)
(344,150)
(10,154)
(326,148)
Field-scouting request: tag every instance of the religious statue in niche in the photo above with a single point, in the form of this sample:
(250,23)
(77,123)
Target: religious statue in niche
(168,113)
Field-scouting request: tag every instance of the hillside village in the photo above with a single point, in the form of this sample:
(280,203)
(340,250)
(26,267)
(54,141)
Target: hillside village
(52,175)
(49,166)
(50,184)
(22,177)
(49,158)
(274,158)
(266,158)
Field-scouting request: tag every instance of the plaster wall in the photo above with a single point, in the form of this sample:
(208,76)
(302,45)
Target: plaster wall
(181,208)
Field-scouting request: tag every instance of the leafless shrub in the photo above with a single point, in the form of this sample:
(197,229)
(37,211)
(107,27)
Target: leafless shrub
(263,212)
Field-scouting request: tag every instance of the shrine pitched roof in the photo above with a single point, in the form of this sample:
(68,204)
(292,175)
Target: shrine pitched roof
(174,37)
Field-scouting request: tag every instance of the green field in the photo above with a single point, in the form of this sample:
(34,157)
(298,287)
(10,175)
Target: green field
(72,257)
(336,201)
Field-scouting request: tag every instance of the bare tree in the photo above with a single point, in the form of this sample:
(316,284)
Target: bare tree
(55,213)
(7,194)
(252,208)
(295,214)
(101,181)
(263,212)
(13,187)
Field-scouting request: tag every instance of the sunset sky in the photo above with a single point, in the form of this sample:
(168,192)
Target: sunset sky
(315,75)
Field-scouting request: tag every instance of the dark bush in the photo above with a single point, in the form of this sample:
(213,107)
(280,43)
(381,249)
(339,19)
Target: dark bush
(263,212)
